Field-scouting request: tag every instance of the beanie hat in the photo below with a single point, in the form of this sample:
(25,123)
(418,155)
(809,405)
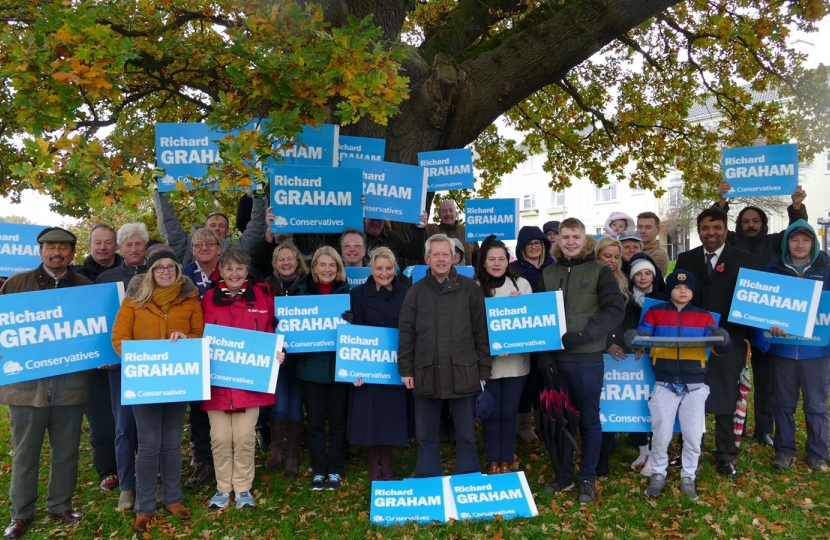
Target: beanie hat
(680,277)
(551,226)
(164,252)
(641,264)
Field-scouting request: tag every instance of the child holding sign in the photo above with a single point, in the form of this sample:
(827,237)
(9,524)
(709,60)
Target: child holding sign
(679,388)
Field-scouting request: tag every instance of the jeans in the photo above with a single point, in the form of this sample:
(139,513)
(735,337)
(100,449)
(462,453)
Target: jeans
(583,382)
(289,403)
(28,425)
(126,437)
(812,378)
(101,424)
(500,429)
(160,427)
(427,427)
(326,402)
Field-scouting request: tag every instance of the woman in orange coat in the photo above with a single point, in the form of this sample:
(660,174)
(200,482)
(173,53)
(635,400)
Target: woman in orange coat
(161,304)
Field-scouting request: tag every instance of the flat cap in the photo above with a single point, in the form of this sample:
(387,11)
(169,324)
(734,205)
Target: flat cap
(57,235)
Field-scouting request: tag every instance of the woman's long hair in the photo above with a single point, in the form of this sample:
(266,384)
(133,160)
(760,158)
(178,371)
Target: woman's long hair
(481,275)
(148,283)
(622,281)
(340,276)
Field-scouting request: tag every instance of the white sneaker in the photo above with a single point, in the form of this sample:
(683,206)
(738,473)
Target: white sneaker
(647,470)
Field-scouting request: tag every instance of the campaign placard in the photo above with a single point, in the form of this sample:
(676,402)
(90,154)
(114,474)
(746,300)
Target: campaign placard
(756,171)
(483,217)
(313,147)
(162,371)
(411,499)
(309,323)
(185,150)
(477,496)
(626,387)
(448,169)
(19,250)
(367,352)
(364,148)
(316,199)
(821,331)
(357,275)
(419,271)
(243,359)
(525,323)
(763,300)
(393,191)
(57,331)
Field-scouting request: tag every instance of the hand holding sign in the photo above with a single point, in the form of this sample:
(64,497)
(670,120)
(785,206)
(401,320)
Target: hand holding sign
(777,332)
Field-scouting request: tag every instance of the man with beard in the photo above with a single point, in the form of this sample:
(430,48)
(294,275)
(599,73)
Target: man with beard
(715,266)
(752,234)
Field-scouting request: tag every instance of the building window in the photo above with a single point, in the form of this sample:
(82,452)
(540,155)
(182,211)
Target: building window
(675,196)
(529,201)
(607,193)
(529,166)
(599,231)
(827,164)
(557,199)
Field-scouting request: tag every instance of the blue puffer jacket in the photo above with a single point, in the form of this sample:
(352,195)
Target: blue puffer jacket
(527,269)
(819,270)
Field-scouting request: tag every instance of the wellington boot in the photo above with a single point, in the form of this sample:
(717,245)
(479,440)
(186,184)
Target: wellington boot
(278,433)
(292,449)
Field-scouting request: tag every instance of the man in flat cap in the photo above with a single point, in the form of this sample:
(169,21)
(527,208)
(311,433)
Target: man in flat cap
(55,403)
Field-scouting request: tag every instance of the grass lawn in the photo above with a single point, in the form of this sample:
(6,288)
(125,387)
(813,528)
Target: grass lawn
(762,503)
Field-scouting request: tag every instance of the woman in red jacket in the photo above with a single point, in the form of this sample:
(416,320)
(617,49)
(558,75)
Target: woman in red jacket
(239,302)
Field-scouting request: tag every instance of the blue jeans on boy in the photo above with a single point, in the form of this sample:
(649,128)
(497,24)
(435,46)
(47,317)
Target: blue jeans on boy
(500,429)
(126,438)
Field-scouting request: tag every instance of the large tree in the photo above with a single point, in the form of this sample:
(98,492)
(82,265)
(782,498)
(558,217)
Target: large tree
(603,87)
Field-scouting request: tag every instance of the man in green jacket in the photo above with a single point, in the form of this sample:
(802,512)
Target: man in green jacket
(55,404)
(593,307)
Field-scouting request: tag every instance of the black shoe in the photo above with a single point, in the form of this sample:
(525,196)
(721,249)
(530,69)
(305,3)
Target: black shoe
(587,492)
(603,469)
(676,462)
(763,438)
(727,469)
(17,527)
(202,474)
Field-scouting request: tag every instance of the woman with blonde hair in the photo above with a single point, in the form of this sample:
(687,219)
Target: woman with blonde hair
(609,253)
(161,304)
(325,400)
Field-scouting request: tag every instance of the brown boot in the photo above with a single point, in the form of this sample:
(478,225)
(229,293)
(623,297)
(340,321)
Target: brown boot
(278,430)
(141,522)
(178,509)
(292,448)
(493,468)
(505,467)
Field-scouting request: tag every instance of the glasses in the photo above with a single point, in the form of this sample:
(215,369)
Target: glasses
(204,245)
(351,245)
(163,269)
(534,244)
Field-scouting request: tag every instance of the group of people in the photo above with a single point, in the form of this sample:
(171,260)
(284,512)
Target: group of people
(444,360)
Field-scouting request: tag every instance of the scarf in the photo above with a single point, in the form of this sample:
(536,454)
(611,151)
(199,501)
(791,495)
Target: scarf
(222,287)
(164,298)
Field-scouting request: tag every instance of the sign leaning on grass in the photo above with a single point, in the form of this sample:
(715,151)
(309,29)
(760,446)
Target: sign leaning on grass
(161,371)
(763,300)
(448,169)
(57,331)
(243,359)
(412,499)
(309,323)
(525,323)
(478,496)
(19,250)
(367,352)
(483,217)
(761,170)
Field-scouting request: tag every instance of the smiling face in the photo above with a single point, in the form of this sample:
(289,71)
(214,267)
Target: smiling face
(56,256)
(134,248)
(572,241)
(102,246)
(287,263)
(206,251)
(325,269)
(496,262)
(533,250)
(447,213)
(630,248)
(219,225)
(384,272)
(372,227)
(610,257)
(712,233)
(234,274)
(801,248)
(165,272)
(352,249)
(643,279)
(439,259)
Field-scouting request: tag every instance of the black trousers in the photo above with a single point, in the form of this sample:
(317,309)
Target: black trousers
(326,403)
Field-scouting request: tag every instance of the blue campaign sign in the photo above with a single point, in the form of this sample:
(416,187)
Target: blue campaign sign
(821,332)
(419,271)
(393,191)
(448,169)
(19,250)
(763,300)
(57,331)
(367,352)
(526,323)
(161,371)
(316,199)
(364,148)
(412,499)
(243,359)
(761,170)
(309,323)
(623,404)
(483,217)
(314,147)
(185,150)
(357,275)
(485,497)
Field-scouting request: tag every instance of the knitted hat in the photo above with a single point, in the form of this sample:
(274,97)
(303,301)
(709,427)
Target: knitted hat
(551,226)
(680,277)
(641,264)
(164,252)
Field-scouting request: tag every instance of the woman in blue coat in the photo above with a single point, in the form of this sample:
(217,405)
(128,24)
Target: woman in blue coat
(377,412)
